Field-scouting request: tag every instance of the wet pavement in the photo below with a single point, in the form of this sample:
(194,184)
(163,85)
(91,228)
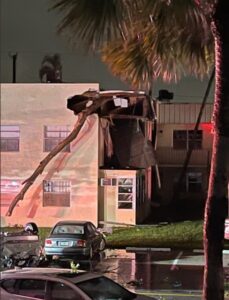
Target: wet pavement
(164,275)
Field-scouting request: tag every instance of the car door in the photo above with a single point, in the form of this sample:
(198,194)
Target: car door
(95,236)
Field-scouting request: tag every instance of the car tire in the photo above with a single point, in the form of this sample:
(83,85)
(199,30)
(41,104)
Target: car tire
(102,245)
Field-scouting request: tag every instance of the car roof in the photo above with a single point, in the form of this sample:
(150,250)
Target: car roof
(47,273)
(72,222)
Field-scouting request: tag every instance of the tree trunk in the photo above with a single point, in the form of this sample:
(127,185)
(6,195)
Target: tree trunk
(82,116)
(217,202)
(29,181)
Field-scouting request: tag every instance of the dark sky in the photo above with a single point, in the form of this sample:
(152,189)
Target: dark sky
(28,28)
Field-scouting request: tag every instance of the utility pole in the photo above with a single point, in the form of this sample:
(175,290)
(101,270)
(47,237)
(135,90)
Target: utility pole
(13,55)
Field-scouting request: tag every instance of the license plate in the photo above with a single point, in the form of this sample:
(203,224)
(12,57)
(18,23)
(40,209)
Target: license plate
(64,244)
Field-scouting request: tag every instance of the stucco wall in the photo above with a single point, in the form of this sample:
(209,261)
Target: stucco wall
(31,107)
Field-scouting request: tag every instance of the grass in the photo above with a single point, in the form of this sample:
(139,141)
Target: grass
(181,235)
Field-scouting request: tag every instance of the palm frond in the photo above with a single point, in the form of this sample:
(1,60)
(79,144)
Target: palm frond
(94,22)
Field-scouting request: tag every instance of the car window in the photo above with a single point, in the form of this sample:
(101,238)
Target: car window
(93,227)
(102,288)
(90,228)
(60,291)
(32,288)
(72,229)
(9,285)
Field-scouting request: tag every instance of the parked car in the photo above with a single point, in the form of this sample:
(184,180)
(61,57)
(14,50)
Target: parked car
(20,248)
(61,284)
(73,239)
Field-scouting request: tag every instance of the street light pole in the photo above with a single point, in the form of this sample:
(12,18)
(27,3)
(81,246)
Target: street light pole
(13,55)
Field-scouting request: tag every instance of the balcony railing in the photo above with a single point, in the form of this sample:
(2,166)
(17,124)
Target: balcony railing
(173,157)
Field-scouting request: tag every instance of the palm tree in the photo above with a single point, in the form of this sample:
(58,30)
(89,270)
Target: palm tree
(51,69)
(169,38)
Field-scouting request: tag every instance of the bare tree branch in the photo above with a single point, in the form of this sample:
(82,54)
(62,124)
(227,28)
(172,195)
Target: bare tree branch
(82,116)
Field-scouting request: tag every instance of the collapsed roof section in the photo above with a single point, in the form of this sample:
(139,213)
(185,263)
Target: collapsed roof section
(115,104)
(127,142)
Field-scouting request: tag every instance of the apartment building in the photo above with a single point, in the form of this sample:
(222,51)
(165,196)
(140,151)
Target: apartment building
(175,135)
(82,181)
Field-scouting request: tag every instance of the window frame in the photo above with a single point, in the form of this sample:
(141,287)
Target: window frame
(8,139)
(187,140)
(132,193)
(66,185)
(199,182)
(55,140)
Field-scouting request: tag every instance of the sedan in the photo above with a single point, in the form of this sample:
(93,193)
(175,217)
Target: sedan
(61,284)
(72,239)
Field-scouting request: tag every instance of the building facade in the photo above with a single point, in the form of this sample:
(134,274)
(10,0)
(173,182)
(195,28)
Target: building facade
(75,183)
(34,119)
(175,136)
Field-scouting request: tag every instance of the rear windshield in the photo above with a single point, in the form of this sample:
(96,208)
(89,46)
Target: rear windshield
(75,229)
(102,288)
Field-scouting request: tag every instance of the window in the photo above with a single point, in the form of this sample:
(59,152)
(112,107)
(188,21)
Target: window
(9,188)
(184,139)
(10,135)
(60,291)
(56,193)
(194,182)
(70,228)
(32,288)
(125,193)
(9,285)
(91,229)
(53,135)
(104,288)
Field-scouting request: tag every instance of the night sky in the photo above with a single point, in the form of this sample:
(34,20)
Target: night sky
(28,28)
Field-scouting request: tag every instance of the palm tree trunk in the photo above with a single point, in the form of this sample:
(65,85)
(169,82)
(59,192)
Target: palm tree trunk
(216,205)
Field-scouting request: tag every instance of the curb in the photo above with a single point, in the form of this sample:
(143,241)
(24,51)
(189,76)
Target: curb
(145,249)
(149,249)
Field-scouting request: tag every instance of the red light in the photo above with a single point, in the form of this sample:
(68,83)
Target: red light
(207,127)
(81,243)
(48,242)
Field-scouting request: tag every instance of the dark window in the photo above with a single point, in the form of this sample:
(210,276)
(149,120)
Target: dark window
(104,288)
(195,140)
(194,182)
(60,291)
(53,135)
(10,136)
(91,229)
(56,193)
(180,139)
(32,288)
(9,285)
(184,139)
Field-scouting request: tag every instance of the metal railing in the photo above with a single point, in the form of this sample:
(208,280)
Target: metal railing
(176,157)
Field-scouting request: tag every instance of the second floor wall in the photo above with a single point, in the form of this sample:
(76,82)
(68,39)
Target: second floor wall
(175,134)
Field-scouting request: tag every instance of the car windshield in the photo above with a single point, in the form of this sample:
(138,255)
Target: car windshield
(70,228)
(103,288)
